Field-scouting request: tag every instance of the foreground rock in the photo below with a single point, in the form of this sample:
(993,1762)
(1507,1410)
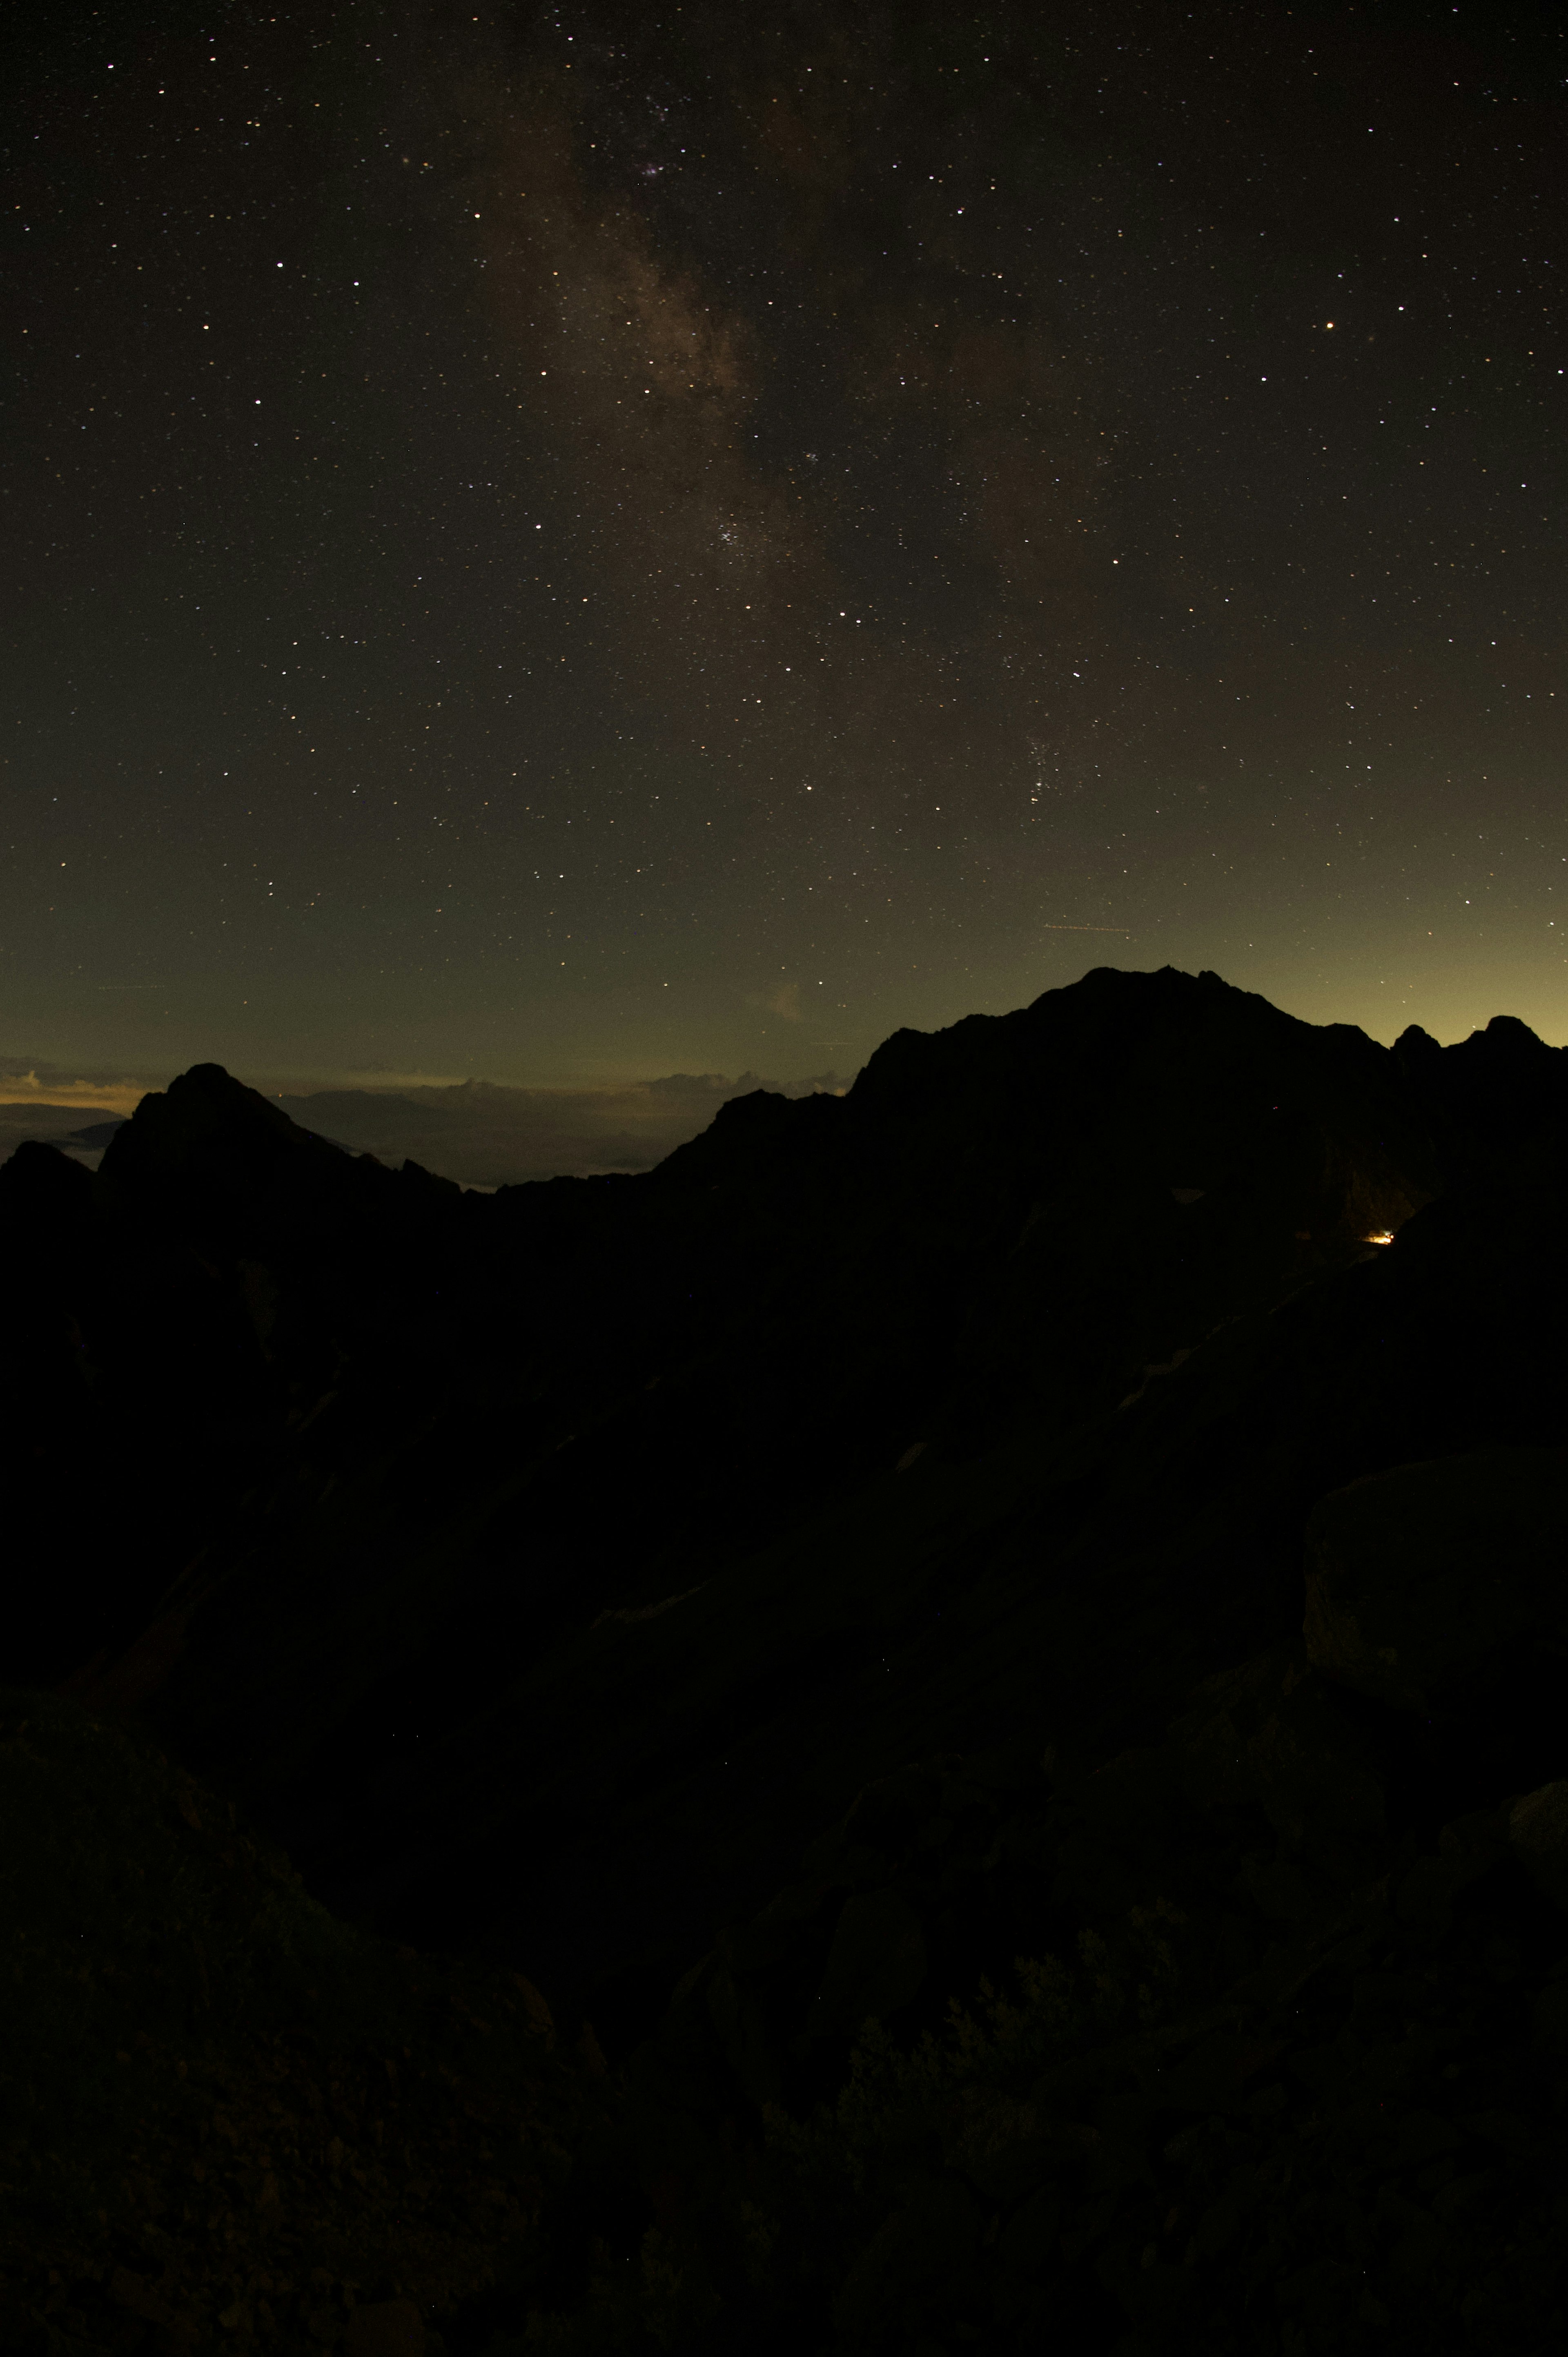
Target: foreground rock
(1419,1580)
(229,2118)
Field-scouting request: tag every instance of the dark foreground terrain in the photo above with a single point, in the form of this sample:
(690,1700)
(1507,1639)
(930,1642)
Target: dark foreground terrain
(941,1725)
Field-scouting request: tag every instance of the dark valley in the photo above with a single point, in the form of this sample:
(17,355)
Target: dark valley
(940,1724)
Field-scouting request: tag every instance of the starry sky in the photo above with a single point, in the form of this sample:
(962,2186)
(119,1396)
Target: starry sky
(564,544)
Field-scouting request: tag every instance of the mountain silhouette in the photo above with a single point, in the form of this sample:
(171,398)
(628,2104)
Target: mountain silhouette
(1092,1494)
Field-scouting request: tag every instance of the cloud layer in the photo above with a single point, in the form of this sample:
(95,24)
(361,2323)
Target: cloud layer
(487,1135)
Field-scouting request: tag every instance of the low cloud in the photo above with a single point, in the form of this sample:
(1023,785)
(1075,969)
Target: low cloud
(27,1082)
(480,1133)
(484,1134)
(81,1132)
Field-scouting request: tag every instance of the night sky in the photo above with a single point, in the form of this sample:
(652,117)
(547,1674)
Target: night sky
(569,544)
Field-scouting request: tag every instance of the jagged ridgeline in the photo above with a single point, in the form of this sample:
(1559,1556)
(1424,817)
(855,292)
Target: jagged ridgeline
(995,1647)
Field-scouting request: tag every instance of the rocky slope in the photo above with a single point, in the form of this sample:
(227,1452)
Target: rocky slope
(1004,1540)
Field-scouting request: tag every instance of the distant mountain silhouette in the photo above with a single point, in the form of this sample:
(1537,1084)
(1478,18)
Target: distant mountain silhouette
(1092,1491)
(485,1134)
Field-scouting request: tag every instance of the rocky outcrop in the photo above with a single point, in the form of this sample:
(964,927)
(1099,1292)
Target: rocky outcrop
(1537,1835)
(231,2115)
(1419,1578)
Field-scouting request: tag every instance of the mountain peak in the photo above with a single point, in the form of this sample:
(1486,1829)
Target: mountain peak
(204,1120)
